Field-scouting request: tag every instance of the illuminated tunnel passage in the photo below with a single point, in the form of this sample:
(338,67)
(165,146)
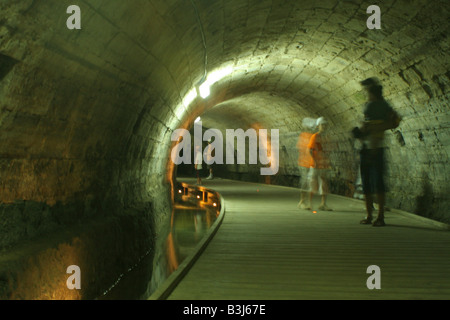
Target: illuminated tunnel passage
(87,116)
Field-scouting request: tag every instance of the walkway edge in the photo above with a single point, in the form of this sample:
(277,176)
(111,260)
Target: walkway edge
(435,223)
(438,224)
(166,288)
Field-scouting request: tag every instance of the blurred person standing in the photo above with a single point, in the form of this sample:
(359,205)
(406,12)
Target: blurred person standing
(319,166)
(378,117)
(198,163)
(209,156)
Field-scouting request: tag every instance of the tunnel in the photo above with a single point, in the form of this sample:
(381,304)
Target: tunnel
(87,115)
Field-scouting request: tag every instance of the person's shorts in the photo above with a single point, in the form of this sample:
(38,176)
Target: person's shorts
(372,171)
(210,166)
(304,178)
(318,180)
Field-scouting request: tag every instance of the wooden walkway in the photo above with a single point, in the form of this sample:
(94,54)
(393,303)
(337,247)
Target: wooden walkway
(267,249)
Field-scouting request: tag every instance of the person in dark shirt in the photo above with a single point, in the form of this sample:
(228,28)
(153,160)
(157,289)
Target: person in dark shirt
(376,114)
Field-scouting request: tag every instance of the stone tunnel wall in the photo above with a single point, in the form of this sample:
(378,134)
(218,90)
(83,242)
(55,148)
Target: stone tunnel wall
(81,182)
(61,169)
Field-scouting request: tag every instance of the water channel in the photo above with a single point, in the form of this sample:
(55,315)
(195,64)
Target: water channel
(194,211)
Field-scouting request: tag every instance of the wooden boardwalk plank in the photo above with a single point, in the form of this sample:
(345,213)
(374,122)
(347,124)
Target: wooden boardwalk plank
(267,249)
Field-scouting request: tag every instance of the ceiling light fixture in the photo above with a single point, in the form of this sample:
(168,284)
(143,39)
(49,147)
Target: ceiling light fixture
(215,76)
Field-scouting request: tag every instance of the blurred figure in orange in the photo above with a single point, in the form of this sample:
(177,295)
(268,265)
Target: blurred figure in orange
(319,166)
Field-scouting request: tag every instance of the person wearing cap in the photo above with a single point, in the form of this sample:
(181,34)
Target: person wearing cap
(319,166)
(377,119)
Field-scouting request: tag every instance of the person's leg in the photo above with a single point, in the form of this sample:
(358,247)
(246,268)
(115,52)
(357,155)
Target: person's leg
(309,206)
(323,203)
(199,180)
(369,206)
(366,184)
(304,181)
(209,166)
(324,190)
(380,188)
(305,188)
(302,199)
(313,186)
(379,222)
(381,203)
(321,189)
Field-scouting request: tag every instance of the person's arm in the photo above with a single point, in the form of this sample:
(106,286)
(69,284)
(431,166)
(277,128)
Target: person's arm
(373,126)
(311,146)
(311,152)
(391,121)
